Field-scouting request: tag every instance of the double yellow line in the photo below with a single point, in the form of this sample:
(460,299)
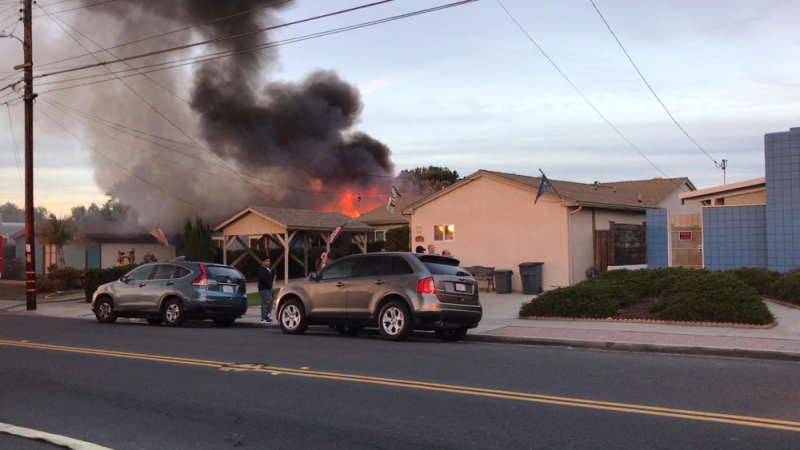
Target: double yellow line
(492,393)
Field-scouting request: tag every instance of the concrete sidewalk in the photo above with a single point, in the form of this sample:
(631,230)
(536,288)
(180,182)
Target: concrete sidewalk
(502,325)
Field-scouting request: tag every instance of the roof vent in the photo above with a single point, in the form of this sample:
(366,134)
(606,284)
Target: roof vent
(640,198)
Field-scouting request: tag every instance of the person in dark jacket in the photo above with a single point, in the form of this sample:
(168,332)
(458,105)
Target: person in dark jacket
(265,281)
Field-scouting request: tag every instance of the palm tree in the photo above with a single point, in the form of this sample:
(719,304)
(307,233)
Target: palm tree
(57,232)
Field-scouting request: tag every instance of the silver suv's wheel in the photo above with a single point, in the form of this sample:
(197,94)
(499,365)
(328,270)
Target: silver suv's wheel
(292,317)
(395,321)
(173,313)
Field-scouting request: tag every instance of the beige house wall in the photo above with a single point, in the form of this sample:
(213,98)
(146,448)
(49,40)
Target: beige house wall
(672,202)
(498,225)
(582,243)
(752,198)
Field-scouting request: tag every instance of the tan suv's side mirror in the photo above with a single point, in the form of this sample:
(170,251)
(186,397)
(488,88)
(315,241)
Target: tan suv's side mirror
(312,276)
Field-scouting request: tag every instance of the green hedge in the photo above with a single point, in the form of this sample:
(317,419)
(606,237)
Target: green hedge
(762,280)
(680,294)
(787,288)
(94,278)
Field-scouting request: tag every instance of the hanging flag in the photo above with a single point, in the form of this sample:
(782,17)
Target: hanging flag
(158,234)
(393,199)
(544,186)
(335,233)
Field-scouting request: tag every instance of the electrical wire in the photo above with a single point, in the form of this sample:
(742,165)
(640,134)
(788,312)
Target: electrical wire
(16,150)
(170,32)
(584,97)
(123,168)
(76,8)
(651,88)
(274,200)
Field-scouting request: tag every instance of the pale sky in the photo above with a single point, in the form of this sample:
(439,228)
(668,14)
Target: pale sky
(464,88)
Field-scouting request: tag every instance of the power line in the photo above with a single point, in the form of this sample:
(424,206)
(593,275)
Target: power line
(76,8)
(123,168)
(16,151)
(650,87)
(170,32)
(582,95)
(213,41)
(156,110)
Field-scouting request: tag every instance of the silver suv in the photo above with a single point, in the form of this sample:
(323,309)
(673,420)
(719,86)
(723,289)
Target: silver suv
(173,292)
(396,292)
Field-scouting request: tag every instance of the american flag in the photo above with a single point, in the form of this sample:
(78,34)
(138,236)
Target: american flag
(392,199)
(158,234)
(335,234)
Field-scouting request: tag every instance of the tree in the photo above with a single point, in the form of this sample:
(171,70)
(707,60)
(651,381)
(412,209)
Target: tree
(12,213)
(57,232)
(426,180)
(398,239)
(197,242)
(113,210)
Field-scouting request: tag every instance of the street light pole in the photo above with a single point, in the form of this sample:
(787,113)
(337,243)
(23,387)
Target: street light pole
(30,245)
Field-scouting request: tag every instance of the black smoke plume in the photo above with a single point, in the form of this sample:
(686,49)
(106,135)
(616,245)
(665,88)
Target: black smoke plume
(288,137)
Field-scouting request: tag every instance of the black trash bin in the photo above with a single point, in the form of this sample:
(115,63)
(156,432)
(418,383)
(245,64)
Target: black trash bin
(503,279)
(531,274)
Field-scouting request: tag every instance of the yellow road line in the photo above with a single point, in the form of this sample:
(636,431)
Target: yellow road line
(492,393)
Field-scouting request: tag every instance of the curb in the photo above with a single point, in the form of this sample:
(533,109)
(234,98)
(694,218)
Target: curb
(657,322)
(781,302)
(638,348)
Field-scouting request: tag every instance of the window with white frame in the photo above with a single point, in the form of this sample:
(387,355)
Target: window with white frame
(218,241)
(380,235)
(444,232)
(258,243)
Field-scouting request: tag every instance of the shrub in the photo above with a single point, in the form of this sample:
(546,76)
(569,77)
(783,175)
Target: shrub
(67,279)
(595,300)
(94,278)
(682,294)
(762,280)
(787,288)
(713,297)
(45,285)
(398,239)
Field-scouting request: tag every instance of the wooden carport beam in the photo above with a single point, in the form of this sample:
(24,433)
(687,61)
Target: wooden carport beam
(361,242)
(286,240)
(327,238)
(226,244)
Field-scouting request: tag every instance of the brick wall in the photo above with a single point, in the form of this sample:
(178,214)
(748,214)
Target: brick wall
(734,236)
(782,155)
(657,239)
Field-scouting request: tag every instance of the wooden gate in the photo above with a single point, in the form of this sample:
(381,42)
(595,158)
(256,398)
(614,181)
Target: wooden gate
(602,250)
(686,239)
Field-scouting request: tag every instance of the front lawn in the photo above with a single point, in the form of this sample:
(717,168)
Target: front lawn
(12,290)
(674,294)
(253,299)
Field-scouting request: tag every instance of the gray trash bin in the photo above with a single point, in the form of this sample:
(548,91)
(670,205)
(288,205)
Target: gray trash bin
(503,279)
(531,274)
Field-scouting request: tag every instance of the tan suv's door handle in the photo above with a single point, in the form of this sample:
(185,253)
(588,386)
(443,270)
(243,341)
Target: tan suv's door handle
(142,285)
(339,284)
(380,282)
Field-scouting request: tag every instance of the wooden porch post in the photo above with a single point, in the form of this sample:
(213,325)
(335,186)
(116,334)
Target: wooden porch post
(286,241)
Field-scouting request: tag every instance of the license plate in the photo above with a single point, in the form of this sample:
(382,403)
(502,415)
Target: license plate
(461,287)
(227,288)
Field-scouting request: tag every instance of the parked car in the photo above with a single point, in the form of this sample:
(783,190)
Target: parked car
(395,292)
(173,292)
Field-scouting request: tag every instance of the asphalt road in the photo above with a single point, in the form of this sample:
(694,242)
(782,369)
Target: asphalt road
(323,391)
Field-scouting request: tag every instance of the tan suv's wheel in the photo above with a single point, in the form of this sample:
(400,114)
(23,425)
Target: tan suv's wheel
(395,321)
(292,317)
(104,311)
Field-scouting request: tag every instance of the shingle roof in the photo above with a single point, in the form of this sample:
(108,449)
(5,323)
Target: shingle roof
(382,216)
(620,193)
(305,220)
(104,229)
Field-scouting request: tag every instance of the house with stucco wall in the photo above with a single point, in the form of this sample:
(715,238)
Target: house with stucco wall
(491,219)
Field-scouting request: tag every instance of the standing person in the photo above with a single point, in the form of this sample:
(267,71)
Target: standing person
(446,252)
(322,261)
(431,249)
(420,249)
(265,282)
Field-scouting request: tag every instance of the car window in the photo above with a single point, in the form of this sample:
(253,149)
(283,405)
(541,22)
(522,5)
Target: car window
(181,272)
(374,266)
(339,269)
(140,273)
(446,269)
(223,274)
(400,266)
(164,272)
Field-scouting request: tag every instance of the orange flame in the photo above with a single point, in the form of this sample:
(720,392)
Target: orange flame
(348,204)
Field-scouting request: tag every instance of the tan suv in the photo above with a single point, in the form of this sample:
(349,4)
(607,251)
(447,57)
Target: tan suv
(396,292)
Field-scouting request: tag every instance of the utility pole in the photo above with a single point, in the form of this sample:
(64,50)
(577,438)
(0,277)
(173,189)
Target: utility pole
(360,207)
(724,167)
(30,246)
